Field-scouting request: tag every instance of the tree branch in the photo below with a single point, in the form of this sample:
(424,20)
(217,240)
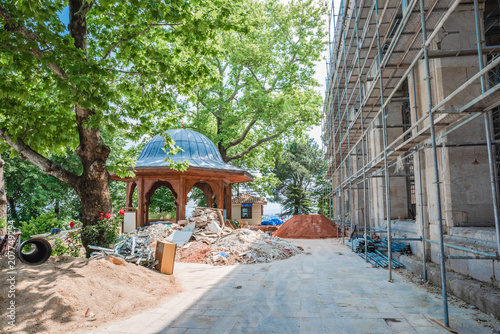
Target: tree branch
(243,135)
(37,52)
(46,165)
(84,9)
(257,144)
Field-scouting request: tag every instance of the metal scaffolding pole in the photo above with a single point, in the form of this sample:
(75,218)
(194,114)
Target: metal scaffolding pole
(420,184)
(435,160)
(488,130)
(385,140)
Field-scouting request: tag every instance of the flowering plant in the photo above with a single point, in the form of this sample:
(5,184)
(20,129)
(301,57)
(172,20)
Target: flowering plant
(104,233)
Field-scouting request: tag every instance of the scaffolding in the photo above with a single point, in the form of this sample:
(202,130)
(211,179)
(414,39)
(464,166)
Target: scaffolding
(377,50)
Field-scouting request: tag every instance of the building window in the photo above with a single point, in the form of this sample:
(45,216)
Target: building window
(246,210)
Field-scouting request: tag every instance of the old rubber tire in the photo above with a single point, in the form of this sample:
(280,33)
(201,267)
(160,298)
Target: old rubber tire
(39,255)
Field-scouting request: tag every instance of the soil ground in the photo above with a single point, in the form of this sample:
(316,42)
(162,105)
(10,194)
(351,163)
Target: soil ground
(55,296)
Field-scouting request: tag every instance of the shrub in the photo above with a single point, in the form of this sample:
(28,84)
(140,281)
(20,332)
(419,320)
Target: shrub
(104,233)
(39,225)
(71,246)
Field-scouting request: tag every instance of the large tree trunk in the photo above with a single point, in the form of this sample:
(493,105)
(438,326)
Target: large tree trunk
(12,206)
(93,185)
(3,194)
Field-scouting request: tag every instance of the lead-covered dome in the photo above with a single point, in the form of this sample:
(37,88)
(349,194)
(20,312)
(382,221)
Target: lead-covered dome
(200,151)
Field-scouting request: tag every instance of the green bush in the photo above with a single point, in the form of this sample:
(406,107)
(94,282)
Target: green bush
(39,225)
(104,233)
(71,246)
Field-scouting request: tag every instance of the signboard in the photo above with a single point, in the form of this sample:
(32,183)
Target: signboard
(246,205)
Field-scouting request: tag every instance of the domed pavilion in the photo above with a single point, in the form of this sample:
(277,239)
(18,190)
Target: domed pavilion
(207,171)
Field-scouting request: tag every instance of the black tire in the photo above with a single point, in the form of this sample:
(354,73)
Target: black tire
(39,255)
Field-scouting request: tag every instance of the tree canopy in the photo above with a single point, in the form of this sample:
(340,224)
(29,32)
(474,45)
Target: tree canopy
(300,171)
(118,65)
(265,88)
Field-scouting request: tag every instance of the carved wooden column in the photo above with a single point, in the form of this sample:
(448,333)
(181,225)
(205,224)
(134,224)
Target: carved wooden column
(181,200)
(227,200)
(219,193)
(141,202)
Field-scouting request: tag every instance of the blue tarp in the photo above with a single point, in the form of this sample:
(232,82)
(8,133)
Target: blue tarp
(272,222)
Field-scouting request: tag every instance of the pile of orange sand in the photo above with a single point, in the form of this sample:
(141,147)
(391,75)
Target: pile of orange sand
(55,296)
(307,227)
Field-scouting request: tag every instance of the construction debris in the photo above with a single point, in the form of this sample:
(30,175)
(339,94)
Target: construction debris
(205,237)
(132,248)
(241,246)
(374,255)
(158,231)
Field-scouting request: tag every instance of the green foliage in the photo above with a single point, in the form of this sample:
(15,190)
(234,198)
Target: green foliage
(198,197)
(140,55)
(114,76)
(104,233)
(264,93)
(71,246)
(31,192)
(300,171)
(41,224)
(162,201)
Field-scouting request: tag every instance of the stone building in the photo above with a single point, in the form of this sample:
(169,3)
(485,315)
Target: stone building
(411,126)
(248,208)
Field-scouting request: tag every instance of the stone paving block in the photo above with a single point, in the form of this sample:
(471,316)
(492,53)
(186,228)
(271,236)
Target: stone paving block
(224,325)
(194,321)
(373,326)
(196,331)
(172,331)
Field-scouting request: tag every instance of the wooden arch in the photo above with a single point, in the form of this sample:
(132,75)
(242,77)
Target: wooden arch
(215,184)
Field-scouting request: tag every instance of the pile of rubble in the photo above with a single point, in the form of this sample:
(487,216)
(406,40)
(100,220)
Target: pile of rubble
(247,246)
(158,231)
(203,238)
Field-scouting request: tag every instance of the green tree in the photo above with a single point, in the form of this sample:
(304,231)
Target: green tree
(30,192)
(300,170)
(265,89)
(162,202)
(3,196)
(119,64)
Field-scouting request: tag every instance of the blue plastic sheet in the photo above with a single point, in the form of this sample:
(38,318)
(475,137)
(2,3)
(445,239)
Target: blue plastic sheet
(272,222)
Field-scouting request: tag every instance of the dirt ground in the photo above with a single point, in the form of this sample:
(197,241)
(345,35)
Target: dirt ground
(307,227)
(195,253)
(55,297)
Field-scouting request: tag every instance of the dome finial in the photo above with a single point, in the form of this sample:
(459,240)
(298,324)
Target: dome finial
(182,125)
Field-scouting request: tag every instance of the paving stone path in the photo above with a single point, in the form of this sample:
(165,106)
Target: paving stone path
(327,290)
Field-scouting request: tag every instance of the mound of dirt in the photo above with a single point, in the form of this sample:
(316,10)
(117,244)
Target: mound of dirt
(307,227)
(271,228)
(66,294)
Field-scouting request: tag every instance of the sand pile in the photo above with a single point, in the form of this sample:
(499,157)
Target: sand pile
(307,227)
(54,297)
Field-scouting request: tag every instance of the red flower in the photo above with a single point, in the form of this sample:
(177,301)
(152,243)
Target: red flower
(100,218)
(107,216)
(122,212)
(72,224)
(102,214)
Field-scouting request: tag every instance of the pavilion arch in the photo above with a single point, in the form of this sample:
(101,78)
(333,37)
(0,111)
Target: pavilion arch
(150,192)
(207,171)
(129,196)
